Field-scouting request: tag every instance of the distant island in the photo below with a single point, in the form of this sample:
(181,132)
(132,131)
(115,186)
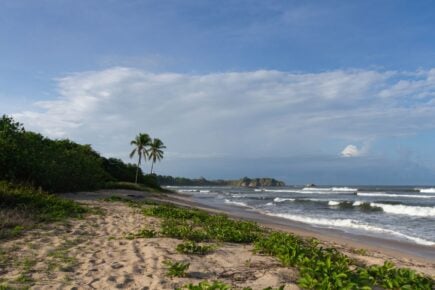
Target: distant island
(242,182)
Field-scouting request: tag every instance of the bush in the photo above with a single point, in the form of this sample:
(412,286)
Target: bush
(190,247)
(120,171)
(59,165)
(176,269)
(54,165)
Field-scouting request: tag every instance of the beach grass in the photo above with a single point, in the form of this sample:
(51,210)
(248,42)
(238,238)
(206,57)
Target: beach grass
(23,207)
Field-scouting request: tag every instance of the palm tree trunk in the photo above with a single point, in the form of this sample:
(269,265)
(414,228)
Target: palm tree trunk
(137,169)
(152,164)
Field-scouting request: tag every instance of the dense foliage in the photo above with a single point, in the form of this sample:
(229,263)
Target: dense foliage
(58,165)
(120,171)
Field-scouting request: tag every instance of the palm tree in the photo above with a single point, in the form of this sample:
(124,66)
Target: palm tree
(141,142)
(155,152)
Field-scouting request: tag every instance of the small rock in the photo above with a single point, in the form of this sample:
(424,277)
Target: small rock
(116,265)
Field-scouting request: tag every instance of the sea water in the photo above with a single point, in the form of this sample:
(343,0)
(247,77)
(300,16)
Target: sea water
(398,213)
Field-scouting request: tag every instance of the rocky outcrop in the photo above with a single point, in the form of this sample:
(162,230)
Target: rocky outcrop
(257,182)
(243,182)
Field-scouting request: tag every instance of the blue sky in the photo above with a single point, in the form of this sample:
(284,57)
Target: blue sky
(332,92)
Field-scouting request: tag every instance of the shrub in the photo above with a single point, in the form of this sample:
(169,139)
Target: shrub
(190,247)
(176,269)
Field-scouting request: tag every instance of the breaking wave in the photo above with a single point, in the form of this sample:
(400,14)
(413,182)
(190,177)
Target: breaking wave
(279,199)
(422,211)
(238,203)
(350,224)
(427,190)
(394,195)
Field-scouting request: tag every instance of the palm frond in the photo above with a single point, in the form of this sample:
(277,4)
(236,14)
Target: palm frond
(133,152)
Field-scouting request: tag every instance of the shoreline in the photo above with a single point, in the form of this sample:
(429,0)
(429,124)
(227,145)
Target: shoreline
(375,250)
(420,253)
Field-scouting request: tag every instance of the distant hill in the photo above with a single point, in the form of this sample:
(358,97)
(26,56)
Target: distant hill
(243,182)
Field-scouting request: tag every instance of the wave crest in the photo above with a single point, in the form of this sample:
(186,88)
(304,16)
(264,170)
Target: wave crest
(351,224)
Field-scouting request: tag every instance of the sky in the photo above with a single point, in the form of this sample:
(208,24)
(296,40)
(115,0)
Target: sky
(325,92)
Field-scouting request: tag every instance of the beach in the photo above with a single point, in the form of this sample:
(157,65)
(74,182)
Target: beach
(96,253)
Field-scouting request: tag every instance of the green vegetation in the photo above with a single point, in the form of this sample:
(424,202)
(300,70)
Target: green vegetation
(23,207)
(60,165)
(176,269)
(198,225)
(121,172)
(144,233)
(190,247)
(243,182)
(326,268)
(319,268)
(141,142)
(205,285)
(217,285)
(155,151)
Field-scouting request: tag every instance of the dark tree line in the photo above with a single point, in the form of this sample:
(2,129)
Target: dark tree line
(56,165)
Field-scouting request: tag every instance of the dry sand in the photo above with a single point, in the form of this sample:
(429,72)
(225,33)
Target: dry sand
(93,253)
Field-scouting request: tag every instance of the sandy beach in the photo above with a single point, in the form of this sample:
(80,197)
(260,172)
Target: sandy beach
(95,253)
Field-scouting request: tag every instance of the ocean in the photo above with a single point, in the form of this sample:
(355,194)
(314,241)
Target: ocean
(405,213)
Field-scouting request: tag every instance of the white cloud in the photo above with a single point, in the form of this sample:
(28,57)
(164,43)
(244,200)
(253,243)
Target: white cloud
(351,151)
(256,113)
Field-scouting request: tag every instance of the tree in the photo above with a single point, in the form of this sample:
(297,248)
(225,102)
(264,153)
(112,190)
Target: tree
(155,152)
(141,143)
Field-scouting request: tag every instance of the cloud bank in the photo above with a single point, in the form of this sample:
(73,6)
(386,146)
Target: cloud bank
(260,113)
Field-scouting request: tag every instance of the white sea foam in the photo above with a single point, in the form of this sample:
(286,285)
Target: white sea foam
(269,203)
(281,190)
(316,188)
(279,199)
(394,195)
(333,203)
(238,203)
(351,224)
(258,190)
(187,190)
(422,211)
(346,189)
(329,190)
(204,191)
(357,203)
(427,190)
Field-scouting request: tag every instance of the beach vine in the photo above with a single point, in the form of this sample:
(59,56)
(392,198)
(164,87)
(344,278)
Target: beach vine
(319,267)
